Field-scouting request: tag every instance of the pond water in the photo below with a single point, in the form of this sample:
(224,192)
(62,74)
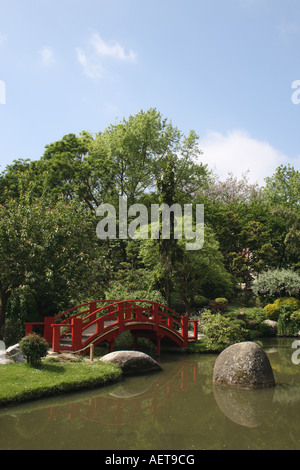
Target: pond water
(177,409)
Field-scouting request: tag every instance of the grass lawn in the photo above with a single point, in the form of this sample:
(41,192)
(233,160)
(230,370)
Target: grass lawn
(22,382)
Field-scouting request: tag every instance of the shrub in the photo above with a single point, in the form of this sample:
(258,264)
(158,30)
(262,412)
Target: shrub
(289,303)
(288,322)
(286,326)
(281,305)
(220,331)
(271,312)
(295,317)
(277,283)
(34,348)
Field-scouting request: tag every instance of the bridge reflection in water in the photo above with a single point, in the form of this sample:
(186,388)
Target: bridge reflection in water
(129,400)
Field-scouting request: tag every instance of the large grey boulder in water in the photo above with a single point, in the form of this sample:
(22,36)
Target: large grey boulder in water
(244,365)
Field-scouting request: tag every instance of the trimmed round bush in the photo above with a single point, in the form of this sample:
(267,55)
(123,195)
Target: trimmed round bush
(271,312)
(221,300)
(34,347)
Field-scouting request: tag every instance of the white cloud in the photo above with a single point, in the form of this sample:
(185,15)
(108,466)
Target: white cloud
(91,68)
(47,57)
(114,50)
(239,153)
(93,60)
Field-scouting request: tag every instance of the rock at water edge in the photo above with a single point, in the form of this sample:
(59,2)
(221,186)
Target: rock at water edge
(132,362)
(244,365)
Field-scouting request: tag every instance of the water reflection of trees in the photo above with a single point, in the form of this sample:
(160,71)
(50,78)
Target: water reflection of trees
(137,406)
(175,409)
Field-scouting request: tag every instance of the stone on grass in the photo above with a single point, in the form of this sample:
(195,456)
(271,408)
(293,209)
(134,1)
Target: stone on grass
(244,365)
(14,353)
(132,362)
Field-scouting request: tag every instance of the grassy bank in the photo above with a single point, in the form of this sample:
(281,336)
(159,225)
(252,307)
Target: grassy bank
(22,382)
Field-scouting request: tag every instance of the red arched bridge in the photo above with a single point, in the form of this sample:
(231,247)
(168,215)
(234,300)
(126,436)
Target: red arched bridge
(104,320)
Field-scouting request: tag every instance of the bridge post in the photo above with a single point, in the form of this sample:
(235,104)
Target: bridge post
(127,311)
(196,330)
(185,329)
(56,338)
(134,340)
(111,345)
(93,308)
(155,315)
(121,317)
(158,340)
(28,328)
(76,334)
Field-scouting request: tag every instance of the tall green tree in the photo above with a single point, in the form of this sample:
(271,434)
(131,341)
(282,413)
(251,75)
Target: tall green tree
(249,233)
(282,194)
(283,188)
(50,254)
(139,149)
(194,273)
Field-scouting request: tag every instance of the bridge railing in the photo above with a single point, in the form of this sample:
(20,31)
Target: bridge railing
(88,313)
(124,313)
(103,318)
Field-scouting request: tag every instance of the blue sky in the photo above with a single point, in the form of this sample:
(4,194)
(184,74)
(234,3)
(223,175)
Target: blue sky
(224,68)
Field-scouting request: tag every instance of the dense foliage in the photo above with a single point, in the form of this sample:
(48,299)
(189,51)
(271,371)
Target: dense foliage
(52,260)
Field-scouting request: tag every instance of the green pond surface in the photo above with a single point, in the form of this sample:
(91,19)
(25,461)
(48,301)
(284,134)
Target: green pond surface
(176,409)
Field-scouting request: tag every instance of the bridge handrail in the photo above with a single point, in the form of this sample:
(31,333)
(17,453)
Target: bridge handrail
(90,319)
(101,319)
(112,302)
(80,306)
(118,302)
